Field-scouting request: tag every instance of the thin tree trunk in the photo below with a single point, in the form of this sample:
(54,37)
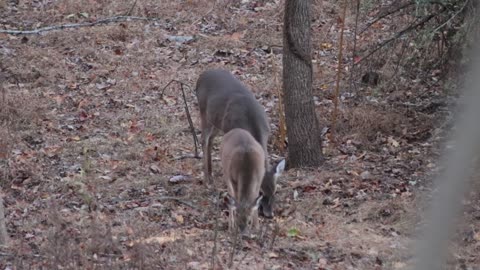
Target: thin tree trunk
(304,141)
(3,227)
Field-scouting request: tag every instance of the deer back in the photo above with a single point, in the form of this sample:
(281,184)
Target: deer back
(225,103)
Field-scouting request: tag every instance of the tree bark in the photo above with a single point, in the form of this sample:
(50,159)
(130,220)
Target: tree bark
(303,130)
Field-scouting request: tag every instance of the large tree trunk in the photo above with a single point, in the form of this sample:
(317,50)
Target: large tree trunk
(303,131)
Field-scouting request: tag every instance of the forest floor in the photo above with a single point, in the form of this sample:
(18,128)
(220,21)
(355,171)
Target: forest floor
(94,174)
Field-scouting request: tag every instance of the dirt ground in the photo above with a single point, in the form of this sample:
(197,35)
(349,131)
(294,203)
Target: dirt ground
(96,164)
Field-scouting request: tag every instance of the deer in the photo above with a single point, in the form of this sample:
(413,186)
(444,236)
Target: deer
(243,165)
(226,103)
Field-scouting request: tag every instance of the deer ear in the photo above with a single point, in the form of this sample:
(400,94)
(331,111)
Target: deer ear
(257,202)
(280,168)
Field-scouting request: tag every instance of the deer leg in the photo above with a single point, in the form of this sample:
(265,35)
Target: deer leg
(207,139)
(255,221)
(231,220)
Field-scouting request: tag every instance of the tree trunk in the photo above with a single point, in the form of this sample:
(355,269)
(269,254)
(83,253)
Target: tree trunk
(303,130)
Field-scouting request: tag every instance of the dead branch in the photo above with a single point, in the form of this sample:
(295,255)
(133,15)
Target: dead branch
(131,8)
(215,233)
(386,13)
(453,16)
(177,200)
(190,122)
(206,14)
(275,232)
(234,247)
(187,111)
(398,35)
(241,260)
(182,157)
(354,51)
(77,25)
(3,227)
(339,72)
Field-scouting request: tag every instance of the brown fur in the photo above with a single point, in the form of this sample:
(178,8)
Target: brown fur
(225,103)
(243,163)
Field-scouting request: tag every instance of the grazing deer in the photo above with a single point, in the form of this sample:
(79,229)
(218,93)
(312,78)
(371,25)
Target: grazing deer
(243,164)
(225,103)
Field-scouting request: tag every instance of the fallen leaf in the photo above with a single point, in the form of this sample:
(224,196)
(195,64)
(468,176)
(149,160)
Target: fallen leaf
(393,142)
(177,178)
(272,255)
(327,45)
(154,168)
(179,218)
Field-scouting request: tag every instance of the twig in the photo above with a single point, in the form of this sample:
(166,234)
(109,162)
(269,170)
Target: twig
(398,35)
(190,122)
(187,111)
(4,254)
(282,128)
(275,232)
(177,200)
(453,16)
(234,247)
(131,9)
(208,12)
(385,14)
(339,72)
(352,71)
(166,86)
(390,81)
(4,238)
(241,260)
(215,233)
(77,25)
(186,156)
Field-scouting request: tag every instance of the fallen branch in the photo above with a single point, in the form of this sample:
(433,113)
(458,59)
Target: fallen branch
(77,25)
(5,254)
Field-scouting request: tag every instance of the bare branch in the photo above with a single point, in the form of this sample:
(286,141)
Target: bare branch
(354,51)
(4,239)
(398,35)
(77,25)
(339,72)
(177,200)
(453,16)
(387,13)
(131,9)
(215,232)
(187,111)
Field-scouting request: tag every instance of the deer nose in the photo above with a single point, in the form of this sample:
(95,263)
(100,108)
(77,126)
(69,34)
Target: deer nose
(267,213)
